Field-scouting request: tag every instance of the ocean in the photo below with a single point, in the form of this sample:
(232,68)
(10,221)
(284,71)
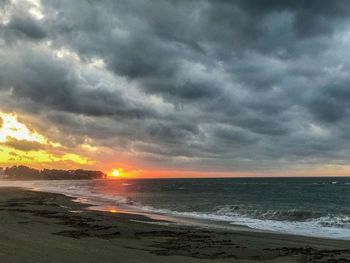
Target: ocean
(305,206)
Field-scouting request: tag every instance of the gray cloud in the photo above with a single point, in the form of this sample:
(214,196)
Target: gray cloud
(219,85)
(26,27)
(23,145)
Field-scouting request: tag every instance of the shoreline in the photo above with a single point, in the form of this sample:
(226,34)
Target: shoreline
(202,220)
(184,220)
(50,227)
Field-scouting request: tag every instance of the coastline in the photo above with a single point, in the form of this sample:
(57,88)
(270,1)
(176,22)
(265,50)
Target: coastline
(48,227)
(295,220)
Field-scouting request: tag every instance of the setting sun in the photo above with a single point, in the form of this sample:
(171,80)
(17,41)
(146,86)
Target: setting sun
(120,173)
(115,173)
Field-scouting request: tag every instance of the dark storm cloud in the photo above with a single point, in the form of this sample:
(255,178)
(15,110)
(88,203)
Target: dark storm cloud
(26,27)
(208,84)
(51,83)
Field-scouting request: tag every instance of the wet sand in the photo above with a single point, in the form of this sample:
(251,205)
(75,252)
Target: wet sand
(45,227)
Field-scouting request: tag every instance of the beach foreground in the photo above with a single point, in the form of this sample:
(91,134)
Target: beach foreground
(46,227)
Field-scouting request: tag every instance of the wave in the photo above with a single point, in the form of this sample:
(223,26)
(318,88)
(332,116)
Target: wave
(294,216)
(337,227)
(283,215)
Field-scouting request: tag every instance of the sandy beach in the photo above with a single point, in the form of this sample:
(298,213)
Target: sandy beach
(46,227)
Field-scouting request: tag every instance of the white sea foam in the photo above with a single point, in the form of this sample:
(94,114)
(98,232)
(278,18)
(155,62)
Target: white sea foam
(326,227)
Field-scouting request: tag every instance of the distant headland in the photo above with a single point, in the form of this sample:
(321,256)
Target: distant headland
(22,172)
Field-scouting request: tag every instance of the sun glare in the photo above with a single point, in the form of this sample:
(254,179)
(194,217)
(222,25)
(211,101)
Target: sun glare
(120,173)
(115,173)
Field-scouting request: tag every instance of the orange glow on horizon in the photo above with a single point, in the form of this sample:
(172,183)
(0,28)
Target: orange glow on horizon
(193,174)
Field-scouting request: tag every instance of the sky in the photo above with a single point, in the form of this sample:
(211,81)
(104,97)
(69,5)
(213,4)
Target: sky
(176,88)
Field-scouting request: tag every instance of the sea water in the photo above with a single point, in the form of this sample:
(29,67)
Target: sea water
(305,206)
